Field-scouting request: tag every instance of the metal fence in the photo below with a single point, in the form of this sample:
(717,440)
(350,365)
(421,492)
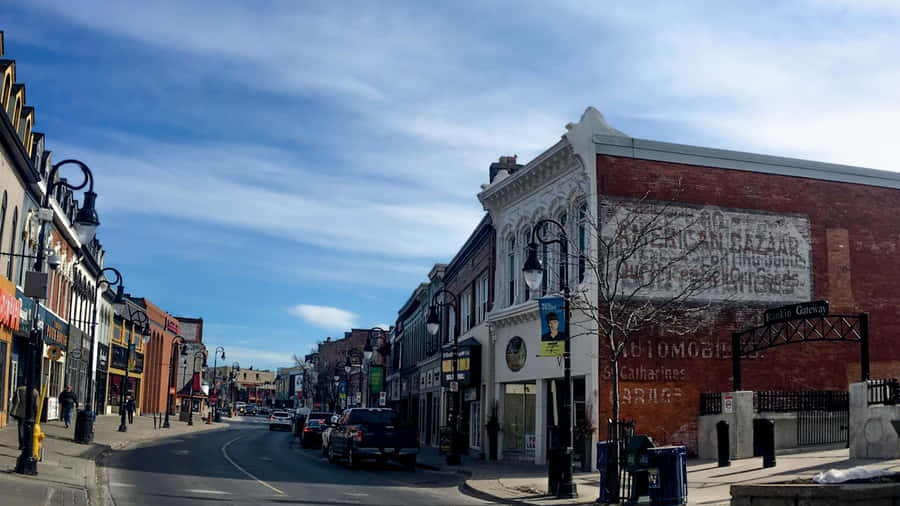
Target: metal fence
(710,403)
(621,432)
(883,391)
(822,417)
(784,402)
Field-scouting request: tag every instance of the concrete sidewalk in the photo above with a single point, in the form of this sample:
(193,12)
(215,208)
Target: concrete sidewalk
(68,473)
(708,484)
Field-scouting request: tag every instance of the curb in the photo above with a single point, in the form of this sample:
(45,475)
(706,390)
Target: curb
(466,489)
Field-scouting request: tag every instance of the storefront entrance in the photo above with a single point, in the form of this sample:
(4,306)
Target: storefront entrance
(518,418)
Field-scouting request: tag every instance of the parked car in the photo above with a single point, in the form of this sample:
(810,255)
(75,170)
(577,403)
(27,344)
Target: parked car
(263,411)
(280,419)
(373,433)
(311,435)
(326,434)
(299,418)
(250,410)
(312,415)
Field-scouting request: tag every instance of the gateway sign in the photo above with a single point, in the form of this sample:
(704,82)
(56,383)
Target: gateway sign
(748,256)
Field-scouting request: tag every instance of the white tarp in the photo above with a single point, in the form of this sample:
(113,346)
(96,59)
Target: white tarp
(856,473)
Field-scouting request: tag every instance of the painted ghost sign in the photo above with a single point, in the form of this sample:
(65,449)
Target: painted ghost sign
(747,256)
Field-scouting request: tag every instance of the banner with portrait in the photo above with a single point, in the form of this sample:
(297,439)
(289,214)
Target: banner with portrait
(553,324)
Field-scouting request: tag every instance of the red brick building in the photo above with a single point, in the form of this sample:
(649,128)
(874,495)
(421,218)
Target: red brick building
(853,237)
(158,366)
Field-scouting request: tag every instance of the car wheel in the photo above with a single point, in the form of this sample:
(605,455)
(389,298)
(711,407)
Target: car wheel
(331,456)
(352,461)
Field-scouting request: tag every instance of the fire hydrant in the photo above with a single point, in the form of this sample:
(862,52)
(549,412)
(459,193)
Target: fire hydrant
(38,435)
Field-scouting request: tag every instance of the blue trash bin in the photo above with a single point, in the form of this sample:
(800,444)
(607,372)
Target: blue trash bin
(667,475)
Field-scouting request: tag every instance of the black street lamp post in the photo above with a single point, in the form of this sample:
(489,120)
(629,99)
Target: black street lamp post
(84,425)
(433,325)
(219,351)
(177,343)
(347,368)
(141,318)
(534,273)
(235,369)
(86,223)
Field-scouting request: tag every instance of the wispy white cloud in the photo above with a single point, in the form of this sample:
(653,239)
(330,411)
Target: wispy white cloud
(325,317)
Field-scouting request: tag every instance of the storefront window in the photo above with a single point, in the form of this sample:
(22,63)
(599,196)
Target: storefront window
(518,418)
(475,425)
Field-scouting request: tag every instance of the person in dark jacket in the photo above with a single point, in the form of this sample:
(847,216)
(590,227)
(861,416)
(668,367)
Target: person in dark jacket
(129,408)
(18,410)
(67,401)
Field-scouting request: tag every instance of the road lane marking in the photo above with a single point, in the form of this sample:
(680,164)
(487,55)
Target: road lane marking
(241,469)
(204,491)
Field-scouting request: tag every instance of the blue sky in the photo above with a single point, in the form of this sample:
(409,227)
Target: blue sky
(290,170)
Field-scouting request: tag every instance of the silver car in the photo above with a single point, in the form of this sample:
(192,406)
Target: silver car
(280,419)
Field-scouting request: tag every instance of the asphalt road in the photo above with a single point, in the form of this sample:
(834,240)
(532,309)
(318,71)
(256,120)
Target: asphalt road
(248,464)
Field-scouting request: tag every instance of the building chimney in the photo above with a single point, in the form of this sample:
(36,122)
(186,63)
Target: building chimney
(504,167)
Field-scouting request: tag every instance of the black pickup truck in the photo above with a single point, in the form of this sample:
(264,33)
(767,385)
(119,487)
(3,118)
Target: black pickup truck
(373,433)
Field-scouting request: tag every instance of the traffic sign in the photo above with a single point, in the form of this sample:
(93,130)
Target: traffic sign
(382,398)
(171,390)
(454,386)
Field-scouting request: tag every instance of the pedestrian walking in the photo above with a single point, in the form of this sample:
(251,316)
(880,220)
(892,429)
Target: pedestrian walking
(18,411)
(129,408)
(67,401)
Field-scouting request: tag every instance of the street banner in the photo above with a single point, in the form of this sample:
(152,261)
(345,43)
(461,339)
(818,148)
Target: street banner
(196,381)
(376,378)
(553,322)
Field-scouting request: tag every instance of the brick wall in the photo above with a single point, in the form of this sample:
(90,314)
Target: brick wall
(854,239)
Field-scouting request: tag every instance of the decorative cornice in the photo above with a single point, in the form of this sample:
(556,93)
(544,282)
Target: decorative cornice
(514,315)
(546,167)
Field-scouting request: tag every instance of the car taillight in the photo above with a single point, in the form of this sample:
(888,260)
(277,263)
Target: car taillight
(271,418)
(306,430)
(359,436)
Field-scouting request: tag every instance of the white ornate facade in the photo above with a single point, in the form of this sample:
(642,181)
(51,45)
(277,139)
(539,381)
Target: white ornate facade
(559,184)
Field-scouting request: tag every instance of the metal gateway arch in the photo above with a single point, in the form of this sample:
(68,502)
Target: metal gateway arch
(800,323)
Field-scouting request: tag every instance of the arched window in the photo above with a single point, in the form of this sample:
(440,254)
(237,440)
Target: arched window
(563,261)
(525,238)
(511,274)
(2,216)
(17,112)
(12,245)
(7,89)
(582,241)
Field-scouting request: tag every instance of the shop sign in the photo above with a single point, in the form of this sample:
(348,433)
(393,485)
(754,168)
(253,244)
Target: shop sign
(172,325)
(468,371)
(530,442)
(119,357)
(553,323)
(26,309)
(56,331)
(137,362)
(10,311)
(376,378)
(516,354)
(796,311)
(102,356)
